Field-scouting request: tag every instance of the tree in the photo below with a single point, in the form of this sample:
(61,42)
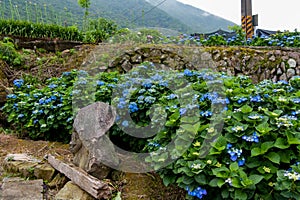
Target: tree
(85,4)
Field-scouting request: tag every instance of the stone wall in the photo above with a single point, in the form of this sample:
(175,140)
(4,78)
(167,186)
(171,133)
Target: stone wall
(3,83)
(258,63)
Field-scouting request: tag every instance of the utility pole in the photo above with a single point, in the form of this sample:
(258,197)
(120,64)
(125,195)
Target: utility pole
(248,21)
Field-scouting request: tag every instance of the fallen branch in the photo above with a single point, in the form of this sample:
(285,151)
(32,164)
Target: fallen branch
(95,187)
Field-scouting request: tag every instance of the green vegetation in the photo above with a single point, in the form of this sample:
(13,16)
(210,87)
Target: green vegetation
(97,30)
(254,155)
(9,53)
(38,30)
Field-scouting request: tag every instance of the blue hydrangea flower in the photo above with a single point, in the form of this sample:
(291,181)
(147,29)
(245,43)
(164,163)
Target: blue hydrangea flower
(66,73)
(234,153)
(48,100)
(111,85)
(241,162)
(42,101)
(18,82)
(35,112)
(140,99)
(198,192)
(172,96)
(296,100)
(52,86)
(133,107)
(255,116)
(147,84)
(142,91)
(20,115)
(187,72)
(242,100)
(156,77)
(256,99)
(153,144)
(149,99)
(11,96)
(253,138)
(294,113)
(82,82)
(163,83)
(182,111)
(121,103)
(69,119)
(206,113)
(125,123)
(82,73)
(100,83)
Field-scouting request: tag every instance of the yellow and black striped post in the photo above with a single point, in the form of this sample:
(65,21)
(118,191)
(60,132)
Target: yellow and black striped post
(247,21)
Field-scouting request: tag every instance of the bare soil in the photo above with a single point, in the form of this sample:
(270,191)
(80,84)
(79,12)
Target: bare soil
(12,144)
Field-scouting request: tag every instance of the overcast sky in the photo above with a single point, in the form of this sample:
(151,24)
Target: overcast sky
(272,14)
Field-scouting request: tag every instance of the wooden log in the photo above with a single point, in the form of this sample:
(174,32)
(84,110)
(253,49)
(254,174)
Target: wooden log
(95,187)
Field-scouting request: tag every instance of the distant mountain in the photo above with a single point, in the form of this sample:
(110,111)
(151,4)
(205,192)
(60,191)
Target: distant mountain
(199,20)
(169,15)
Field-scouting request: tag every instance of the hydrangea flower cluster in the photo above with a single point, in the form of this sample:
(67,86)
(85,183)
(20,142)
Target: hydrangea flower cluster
(18,83)
(292,175)
(133,107)
(256,99)
(253,138)
(242,100)
(255,116)
(235,154)
(198,192)
(285,121)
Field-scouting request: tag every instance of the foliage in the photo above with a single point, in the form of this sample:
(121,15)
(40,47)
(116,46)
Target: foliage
(9,54)
(38,30)
(85,4)
(99,30)
(254,156)
(140,36)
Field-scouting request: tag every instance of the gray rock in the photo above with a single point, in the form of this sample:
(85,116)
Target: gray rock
(279,71)
(93,121)
(290,73)
(206,56)
(136,58)
(294,55)
(272,58)
(283,77)
(277,52)
(283,67)
(19,189)
(72,192)
(292,63)
(89,144)
(298,71)
(45,172)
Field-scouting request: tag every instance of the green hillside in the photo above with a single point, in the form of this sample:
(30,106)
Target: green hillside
(199,20)
(171,15)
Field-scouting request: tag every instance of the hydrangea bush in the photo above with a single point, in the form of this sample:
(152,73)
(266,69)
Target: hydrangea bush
(280,39)
(254,155)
